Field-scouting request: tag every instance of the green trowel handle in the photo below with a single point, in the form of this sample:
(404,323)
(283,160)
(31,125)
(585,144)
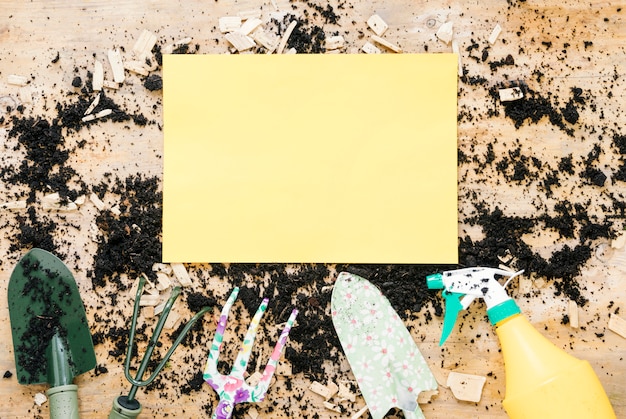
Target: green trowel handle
(63,402)
(122,409)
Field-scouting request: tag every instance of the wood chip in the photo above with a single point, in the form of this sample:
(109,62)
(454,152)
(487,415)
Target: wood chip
(25,94)
(115,60)
(370,48)
(170,48)
(137,67)
(333,407)
(13,205)
(163,281)
(144,44)
(40,399)
(510,94)
(132,292)
(94,233)
(181,274)
(80,200)
(93,105)
(98,76)
(572,312)
(101,114)
(53,202)
(240,41)
(114,209)
(149,300)
(229,23)
(386,44)
(158,309)
(360,413)
(525,284)
(252,413)
(344,393)
(173,320)
(17,80)
(267,40)
(285,38)
(110,85)
(149,311)
(335,42)
(254,379)
(445,32)
(162,267)
(97,201)
(466,387)
(326,391)
(494,34)
(377,24)
(619,241)
(250,25)
(617,325)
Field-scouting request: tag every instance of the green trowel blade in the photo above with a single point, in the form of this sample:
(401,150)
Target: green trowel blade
(44,302)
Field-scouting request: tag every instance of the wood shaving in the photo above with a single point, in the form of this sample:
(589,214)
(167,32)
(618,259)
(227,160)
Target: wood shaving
(144,44)
(377,24)
(494,34)
(386,44)
(445,32)
(229,23)
(17,80)
(617,325)
(285,38)
(98,76)
(466,387)
(115,60)
(370,48)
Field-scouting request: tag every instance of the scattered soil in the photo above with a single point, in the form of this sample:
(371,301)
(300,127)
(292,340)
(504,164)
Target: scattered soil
(130,241)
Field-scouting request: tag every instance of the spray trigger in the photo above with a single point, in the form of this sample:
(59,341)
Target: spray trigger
(453,306)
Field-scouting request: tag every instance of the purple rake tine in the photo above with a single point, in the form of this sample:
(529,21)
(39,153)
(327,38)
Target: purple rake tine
(241,362)
(232,389)
(268,372)
(214,353)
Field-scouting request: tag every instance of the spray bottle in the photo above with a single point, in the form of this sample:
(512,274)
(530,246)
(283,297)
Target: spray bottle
(542,381)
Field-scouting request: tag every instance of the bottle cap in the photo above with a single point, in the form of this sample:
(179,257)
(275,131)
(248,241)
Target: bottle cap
(503,311)
(435,282)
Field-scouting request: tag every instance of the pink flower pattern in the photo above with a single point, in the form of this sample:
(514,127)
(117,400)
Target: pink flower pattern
(387,364)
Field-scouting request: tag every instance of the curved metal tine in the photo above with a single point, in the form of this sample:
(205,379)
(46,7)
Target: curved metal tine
(137,380)
(210,370)
(261,388)
(243,356)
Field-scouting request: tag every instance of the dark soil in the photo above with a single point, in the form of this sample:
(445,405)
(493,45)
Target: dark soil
(131,241)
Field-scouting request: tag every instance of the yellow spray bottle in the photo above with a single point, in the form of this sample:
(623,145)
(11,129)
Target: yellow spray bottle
(542,381)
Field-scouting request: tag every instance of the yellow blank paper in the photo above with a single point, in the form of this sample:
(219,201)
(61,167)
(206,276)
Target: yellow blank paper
(310,158)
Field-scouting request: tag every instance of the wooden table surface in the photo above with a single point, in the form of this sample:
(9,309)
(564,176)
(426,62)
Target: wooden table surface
(555,46)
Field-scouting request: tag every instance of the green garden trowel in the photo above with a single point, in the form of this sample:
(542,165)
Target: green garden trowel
(51,339)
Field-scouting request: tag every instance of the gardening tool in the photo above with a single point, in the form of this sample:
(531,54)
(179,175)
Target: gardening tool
(388,366)
(232,388)
(127,407)
(542,380)
(51,339)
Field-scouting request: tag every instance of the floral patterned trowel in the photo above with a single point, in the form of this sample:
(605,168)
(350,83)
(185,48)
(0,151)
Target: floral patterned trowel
(384,358)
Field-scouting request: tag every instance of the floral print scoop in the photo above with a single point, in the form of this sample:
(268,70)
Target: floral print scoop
(386,363)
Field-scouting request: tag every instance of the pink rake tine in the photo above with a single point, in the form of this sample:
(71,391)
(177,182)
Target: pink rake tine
(233,389)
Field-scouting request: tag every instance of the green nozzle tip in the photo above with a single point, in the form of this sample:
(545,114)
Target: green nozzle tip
(434,282)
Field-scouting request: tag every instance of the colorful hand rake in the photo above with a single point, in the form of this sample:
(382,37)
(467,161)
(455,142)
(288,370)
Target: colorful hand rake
(232,388)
